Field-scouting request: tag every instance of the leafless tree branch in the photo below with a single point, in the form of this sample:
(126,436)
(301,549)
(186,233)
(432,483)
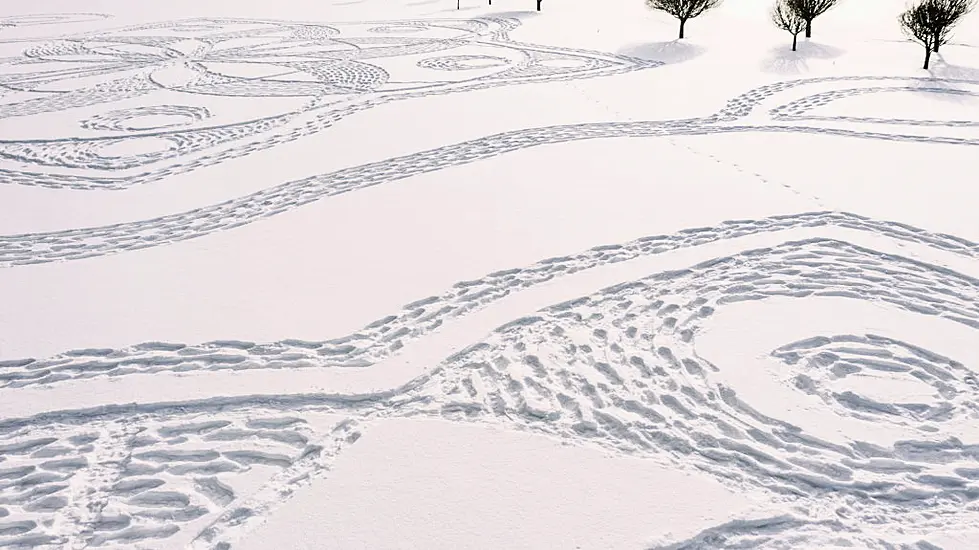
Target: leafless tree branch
(930,22)
(809,10)
(788,20)
(684,10)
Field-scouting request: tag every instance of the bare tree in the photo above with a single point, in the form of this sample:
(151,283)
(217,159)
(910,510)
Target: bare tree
(684,10)
(930,22)
(788,20)
(949,13)
(917,22)
(809,10)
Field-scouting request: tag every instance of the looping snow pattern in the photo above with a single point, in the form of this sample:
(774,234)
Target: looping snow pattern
(617,368)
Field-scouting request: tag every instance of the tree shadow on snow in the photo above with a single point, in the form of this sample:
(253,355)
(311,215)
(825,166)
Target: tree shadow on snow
(941,72)
(422,2)
(782,60)
(674,51)
(942,69)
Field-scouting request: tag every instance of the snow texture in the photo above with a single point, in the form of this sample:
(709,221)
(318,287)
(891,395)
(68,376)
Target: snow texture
(795,371)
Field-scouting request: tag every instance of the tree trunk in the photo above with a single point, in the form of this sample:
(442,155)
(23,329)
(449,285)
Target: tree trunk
(538,4)
(927,56)
(458,4)
(795,39)
(683,23)
(809,28)
(937,44)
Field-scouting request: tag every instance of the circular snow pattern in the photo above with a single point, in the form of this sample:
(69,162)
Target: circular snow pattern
(158,117)
(942,388)
(463,62)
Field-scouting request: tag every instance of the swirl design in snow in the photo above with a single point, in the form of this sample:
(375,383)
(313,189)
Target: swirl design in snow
(629,368)
(621,368)
(265,82)
(760,110)
(946,388)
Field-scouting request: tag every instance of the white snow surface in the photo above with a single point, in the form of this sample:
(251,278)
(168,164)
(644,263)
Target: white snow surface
(385,274)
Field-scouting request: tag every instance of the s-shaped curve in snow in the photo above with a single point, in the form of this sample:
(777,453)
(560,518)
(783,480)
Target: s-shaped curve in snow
(388,336)
(623,368)
(781,107)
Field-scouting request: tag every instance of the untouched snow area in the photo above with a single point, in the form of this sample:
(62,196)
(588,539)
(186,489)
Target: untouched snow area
(385,274)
